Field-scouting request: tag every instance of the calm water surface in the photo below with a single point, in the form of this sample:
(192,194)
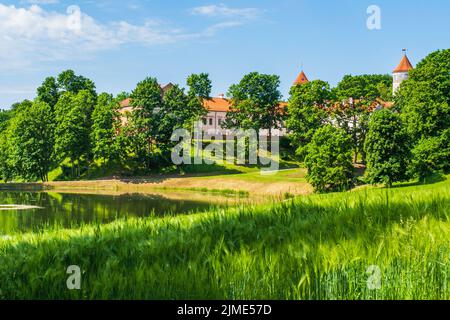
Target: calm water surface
(71,210)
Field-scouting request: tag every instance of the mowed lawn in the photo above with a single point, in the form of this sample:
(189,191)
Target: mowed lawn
(371,243)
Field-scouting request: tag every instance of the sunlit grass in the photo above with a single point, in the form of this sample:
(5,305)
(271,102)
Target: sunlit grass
(315,247)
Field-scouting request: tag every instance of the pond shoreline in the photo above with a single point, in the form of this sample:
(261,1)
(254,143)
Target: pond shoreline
(239,184)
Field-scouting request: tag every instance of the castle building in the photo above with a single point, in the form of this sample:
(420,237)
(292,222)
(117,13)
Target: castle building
(218,107)
(401,73)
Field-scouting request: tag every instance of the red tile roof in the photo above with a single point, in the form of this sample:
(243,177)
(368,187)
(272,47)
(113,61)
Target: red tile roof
(404,65)
(125,103)
(301,78)
(217,104)
(212,104)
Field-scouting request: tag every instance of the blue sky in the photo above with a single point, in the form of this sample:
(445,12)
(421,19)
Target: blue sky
(118,43)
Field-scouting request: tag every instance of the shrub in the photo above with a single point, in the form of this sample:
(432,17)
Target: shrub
(329,160)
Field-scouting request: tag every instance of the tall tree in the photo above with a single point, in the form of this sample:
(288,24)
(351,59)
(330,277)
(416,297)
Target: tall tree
(356,96)
(68,81)
(32,142)
(147,102)
(7,171)
(199,90)
(73,124)
(387,148)
(48,92)
(105,124)
(255,103)
(424,99)
(307,107)
(173,115)
(199,85)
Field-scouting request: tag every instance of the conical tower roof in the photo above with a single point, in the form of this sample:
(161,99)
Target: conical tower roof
(301,79)
(404,65)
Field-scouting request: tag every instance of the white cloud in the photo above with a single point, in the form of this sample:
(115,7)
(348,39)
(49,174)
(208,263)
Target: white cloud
(222,10)
(29,36)
(32,35)
(40,2)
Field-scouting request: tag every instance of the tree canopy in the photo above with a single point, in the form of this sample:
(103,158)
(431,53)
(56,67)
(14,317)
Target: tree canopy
(329,160)
(306,112)
(31,144)
(255,103)
(387,148)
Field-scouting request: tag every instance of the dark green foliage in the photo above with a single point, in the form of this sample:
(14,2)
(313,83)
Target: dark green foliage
(387,148)
(31,144)
(424,102)
(255,103)
(306,112)
(6,165)
(73,126)
(68,81)
(355,96)
(199,85)
(48,92)
(367,87)
(105,126)
(18,107)
(175,114)
(430,155)
(424,98)
(329,160)
(147,102)
(5,115)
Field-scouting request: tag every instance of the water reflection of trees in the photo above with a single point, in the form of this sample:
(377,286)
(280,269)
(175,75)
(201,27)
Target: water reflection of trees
(71,210)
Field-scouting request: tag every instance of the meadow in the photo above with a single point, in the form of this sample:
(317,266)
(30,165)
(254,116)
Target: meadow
(309,247)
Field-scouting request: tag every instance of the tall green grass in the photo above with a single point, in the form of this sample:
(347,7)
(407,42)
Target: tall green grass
(316,247)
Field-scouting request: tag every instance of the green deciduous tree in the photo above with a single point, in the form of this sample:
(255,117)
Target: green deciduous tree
(6,162)
(306,112)
(174,114)
(355,98)
(199,85)
(105,125)
(73,124)
(5,115)
(68,81)
(430,155)
(255,103)
(424,99)
(32,142)
(147,102)
(387,148)
(48,92)
(329,160)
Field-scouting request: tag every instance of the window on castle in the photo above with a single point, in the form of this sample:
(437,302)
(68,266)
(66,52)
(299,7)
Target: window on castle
(210,121)
(204,121)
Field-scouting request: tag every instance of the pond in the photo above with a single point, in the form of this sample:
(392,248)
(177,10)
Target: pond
(32,211)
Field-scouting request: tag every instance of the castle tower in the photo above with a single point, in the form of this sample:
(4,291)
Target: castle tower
(301,79)
(401,73)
